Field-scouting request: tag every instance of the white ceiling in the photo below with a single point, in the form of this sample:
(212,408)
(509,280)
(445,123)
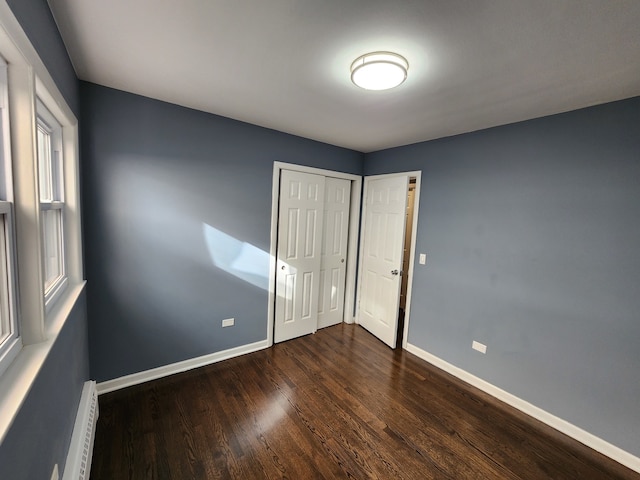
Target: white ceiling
(284,64)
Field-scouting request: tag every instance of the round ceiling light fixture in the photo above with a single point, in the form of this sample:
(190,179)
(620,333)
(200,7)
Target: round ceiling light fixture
(379,70)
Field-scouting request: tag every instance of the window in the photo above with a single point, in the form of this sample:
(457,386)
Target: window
(41,274)
(51,187)
(10,343)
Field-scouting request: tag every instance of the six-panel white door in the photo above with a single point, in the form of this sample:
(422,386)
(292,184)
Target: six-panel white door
(299,254)
(333,270)
(383,231)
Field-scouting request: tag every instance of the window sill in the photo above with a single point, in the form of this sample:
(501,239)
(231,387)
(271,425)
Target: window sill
(55,293)
(17,380)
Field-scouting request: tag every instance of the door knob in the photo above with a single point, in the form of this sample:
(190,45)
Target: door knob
(394,272)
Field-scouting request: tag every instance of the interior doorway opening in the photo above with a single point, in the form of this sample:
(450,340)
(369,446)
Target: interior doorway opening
(406,259)
(387,254)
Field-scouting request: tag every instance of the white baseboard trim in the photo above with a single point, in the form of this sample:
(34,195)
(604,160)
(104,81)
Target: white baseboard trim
(178,367)
(588,439)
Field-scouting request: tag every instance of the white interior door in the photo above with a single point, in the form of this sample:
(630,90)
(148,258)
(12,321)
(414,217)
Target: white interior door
(333,265)
(298,254)
(382,238)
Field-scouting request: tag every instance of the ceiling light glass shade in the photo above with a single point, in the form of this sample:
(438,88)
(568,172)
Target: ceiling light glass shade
(379,70)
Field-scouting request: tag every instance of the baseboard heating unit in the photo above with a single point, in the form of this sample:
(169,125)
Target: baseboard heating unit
(78,464)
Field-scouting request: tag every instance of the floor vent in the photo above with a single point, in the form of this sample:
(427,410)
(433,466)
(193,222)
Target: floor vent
(78,465)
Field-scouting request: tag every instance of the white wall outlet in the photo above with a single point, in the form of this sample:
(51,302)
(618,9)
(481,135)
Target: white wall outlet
(423,259)
(479,347)
(228,322)
(55,475)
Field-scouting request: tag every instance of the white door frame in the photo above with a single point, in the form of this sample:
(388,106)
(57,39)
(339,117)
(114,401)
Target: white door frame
(414,232)
(352,249)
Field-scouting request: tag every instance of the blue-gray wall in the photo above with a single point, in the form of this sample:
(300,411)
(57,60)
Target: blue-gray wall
(532,232)
(177,209)
(40,435)
(37,22)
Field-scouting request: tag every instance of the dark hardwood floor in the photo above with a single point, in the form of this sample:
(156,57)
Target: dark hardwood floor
(337,404)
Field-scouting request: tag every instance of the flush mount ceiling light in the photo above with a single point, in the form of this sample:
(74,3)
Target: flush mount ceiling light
(379,70)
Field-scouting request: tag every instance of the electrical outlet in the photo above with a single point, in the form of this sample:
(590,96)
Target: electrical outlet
(479,347)
(55,475)
(228,322)
(423,259)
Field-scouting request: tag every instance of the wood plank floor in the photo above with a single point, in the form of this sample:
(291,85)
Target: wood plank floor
(337,404)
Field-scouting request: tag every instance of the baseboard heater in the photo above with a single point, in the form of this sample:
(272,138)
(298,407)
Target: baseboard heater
(78,464)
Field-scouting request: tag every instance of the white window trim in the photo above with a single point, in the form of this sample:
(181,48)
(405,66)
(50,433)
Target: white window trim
(12,344)
(29,79)
(48,123)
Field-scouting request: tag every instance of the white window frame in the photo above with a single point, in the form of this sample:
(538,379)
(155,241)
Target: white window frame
(10,340)
(29,81)
(51,192)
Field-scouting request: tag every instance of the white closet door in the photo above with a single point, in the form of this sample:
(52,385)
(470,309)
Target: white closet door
(334,251)
(299,254)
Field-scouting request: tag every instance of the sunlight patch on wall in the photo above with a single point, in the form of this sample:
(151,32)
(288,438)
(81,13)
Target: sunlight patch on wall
(241,259)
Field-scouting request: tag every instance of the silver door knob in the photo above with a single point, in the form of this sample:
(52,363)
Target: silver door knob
(394,272)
